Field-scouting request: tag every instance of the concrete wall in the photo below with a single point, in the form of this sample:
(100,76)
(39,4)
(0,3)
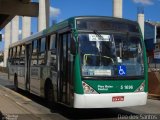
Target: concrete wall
(15,29)
(140,19)
(7,38)
(26,27)
(117,8)
(43,19)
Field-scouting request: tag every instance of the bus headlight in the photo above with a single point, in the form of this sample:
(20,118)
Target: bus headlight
(141,88)
(87,89)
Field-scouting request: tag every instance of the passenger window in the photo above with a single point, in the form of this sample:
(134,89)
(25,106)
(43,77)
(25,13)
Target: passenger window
(53,41)
(10,55)
(51,61)
(43,45)
(34,60)
(14,56)
(14,52)
(35,45)
(17,55)
(42,52)
(23,50)
(18,51)
(10,52)
(22,55)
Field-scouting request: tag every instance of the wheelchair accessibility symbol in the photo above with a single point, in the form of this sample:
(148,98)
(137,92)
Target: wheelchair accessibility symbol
(121,70)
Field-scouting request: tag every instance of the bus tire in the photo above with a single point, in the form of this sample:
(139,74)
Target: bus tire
(49,95)
(15,82)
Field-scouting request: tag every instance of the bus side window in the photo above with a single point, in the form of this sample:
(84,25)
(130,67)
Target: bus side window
(22,49)
(34,60)
(14,56)
(10,55)
(22,55)
(42,51)
(53,41)
(52,52)
(17,55)
(18,52)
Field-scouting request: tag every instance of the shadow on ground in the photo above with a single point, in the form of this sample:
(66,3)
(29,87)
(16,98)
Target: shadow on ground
(79,114)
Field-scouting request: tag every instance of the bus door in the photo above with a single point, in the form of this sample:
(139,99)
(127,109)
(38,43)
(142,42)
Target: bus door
(28,63)
(63,80)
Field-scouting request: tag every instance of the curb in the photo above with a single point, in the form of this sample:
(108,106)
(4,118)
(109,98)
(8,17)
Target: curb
(15,93)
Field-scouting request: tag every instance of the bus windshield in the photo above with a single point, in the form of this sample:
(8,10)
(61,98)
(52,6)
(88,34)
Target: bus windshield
(111,55)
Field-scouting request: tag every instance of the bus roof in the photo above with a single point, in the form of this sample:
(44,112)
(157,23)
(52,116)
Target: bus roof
(70,22)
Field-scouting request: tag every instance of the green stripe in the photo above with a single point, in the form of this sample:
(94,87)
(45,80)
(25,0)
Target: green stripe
(77,76)
(114,86)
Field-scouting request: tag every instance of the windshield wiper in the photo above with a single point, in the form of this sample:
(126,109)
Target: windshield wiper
(99,35)
(100,47)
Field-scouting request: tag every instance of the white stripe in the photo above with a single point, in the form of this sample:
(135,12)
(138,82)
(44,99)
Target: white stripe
(105,100)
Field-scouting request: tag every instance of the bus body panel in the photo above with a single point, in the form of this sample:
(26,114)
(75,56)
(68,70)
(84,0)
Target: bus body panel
(21,77)
(107,100)
(38,77)
(12,70)
(35,80)
(19,71)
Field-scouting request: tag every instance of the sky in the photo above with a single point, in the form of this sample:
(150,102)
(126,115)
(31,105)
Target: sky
(63,9)
(104,8)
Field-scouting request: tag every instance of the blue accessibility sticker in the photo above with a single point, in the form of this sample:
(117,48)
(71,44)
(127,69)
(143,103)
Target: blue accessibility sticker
(122,70)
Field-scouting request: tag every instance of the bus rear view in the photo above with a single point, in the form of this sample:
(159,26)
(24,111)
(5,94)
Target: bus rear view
(110,67)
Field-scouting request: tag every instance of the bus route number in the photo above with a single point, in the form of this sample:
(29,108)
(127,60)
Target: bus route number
(127,87)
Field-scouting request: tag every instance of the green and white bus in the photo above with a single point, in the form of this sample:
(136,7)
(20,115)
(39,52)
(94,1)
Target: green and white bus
(83,62)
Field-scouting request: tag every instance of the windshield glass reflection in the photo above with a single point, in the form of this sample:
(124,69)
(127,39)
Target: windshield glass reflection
(103,54)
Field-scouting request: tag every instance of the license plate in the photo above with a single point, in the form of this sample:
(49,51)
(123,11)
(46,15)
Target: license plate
(117,98)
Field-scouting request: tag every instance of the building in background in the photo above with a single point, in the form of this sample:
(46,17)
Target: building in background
(152,41)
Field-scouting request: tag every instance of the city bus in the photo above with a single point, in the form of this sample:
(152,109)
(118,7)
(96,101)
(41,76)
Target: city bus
(83,62)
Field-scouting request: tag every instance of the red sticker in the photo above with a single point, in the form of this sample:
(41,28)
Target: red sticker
(117,98)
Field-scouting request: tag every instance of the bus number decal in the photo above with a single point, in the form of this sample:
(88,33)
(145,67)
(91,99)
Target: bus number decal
(127,87)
